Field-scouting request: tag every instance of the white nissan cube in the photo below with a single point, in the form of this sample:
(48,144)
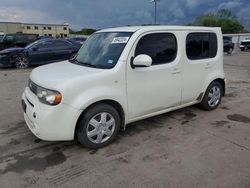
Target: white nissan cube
(122,75)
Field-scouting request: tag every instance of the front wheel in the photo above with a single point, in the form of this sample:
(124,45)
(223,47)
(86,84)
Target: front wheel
(22,62)
(212,97)
(99,126)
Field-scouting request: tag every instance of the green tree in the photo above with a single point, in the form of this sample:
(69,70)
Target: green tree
(84,31)
(224,18)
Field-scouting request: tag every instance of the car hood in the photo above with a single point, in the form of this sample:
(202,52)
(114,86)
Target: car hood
(9,50)
(58,75)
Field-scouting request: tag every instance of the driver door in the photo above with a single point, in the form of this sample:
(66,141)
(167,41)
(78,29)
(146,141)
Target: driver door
(158,87)
(42,53)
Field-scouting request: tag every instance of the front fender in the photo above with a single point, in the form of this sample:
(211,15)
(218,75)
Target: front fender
(93,95)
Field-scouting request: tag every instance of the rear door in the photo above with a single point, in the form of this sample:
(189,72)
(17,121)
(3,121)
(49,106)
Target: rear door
(155,88)
(199,63)
(62,50)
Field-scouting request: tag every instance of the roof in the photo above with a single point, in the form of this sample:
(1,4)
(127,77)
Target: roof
(158,27)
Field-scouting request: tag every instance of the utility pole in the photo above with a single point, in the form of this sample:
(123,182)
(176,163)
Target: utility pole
(155,3)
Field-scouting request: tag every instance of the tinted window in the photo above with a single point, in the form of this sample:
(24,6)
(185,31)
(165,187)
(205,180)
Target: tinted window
(45,44)
(61,43)
(161,47)
(201,45)
(10,38)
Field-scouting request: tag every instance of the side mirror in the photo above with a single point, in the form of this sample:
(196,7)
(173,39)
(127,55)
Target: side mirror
(141,61)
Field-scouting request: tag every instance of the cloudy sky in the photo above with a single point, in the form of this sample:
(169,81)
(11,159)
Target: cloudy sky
(111,13)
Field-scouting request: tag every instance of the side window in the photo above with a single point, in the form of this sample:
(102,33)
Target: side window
(46,44)
(201,45)
(61,44)
(161,47)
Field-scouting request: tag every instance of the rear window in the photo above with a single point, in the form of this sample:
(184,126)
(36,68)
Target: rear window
(201,45)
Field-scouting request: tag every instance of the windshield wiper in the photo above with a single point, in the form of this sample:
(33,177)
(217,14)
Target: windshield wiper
(87,64)
(82,63)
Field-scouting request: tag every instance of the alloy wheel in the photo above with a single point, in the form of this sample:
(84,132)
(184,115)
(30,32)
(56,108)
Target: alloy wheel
(214,96)
(22,62)
(100,128)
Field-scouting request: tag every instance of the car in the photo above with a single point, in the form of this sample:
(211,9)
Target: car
(17,40)
(245,44)
(40,52)
(122,75)
(228,45)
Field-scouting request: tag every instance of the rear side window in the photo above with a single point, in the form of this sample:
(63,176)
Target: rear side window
(201,45)
(161,47)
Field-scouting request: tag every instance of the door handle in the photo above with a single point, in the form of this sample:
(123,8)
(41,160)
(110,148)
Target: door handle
(176,71)
(208,66)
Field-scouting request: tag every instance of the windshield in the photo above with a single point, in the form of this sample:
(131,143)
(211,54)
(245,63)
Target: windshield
(102,50)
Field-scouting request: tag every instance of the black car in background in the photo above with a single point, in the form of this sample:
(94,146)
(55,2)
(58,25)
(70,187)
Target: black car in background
(17,40)
(40,52)
(228,45)
(245,44)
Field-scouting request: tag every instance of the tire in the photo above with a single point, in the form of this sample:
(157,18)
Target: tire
(22,62)
(212,97)
(98,126)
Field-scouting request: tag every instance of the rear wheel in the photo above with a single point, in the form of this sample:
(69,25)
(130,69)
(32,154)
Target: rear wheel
(22,62)
(212,97)
(99,126)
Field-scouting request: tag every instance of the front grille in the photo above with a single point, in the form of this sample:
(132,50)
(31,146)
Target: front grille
(32,86)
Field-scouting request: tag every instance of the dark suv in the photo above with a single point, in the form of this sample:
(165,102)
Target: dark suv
(17,40)
(228,45)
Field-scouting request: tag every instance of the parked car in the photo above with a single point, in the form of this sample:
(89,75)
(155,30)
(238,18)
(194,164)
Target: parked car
(39,52)
(122,75)
(245,44)
(228,45)
(17,40)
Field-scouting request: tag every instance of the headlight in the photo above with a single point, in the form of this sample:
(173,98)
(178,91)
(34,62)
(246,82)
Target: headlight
(44,95)
(47,96)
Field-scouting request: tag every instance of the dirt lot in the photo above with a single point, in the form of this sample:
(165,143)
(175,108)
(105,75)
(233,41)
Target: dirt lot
(185,148)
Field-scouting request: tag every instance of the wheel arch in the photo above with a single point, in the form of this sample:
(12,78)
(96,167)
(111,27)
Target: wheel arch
(110,102)
(221,81)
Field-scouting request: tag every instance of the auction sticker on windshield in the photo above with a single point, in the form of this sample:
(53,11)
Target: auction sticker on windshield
(119,40)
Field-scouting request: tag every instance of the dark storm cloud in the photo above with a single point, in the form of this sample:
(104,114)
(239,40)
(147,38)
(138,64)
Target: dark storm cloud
(110,13)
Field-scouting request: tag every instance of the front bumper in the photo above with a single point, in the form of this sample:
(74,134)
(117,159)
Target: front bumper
(51,123)
(4,61)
